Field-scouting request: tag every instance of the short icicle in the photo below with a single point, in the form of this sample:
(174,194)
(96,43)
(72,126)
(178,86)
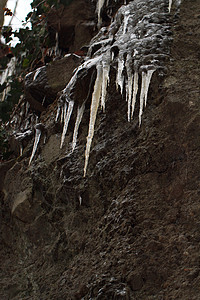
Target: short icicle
(120,76)
(135,90)
(67,117)
(93,112)
(105,82)
(170,5)
(100,4)
(36,141)
(79,116)
(126,18)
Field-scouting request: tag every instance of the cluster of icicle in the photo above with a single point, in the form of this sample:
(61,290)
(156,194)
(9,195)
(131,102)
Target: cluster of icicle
(5,77)
(136,45)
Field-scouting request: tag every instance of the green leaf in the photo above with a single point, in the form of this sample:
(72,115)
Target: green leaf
(25,63)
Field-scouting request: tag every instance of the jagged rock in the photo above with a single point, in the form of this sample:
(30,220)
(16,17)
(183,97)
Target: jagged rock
(74,23)
(43,84)
(59,72)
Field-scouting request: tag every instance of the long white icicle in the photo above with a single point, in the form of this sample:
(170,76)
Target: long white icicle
(142,93)
(135,90)
(36,141)
(79,116)
(93,112)
(66,121)
(129,85)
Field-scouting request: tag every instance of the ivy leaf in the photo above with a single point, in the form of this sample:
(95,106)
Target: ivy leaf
(25,63)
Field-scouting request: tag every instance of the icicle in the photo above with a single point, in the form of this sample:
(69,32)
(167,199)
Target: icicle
(27,108)
(66,120)
(105,82)
(93,112)
(62,115)
(36,74)
(57,45)
(79,116)
(129,85)
(142,93)
(45,138)
(57,113)
(43,100)
(120,76)
(80,199)
(126,18)
(9,70)
(135,90)
(37,139)
(170,5)
(148,79)
(5,76)
(21,149)
(100,4)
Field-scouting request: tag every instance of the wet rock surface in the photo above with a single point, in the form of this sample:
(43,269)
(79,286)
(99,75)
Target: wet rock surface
(130,229)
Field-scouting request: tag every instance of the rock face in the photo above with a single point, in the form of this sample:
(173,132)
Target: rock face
(130,228)
(75,24)
(43,84)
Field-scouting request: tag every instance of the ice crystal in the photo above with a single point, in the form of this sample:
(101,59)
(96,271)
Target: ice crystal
(67,116)
(79,116)
(36,141)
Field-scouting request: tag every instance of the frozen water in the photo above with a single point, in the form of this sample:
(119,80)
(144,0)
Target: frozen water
(79,116)
(36,141)
(93,112)
(170,5)
(67,117)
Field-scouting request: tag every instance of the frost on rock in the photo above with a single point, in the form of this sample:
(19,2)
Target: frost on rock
(36,141)
(135,45)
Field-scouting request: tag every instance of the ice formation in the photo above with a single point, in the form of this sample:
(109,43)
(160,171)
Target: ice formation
(5,77)
(79,116)
(135,90)
(135,45)
(67,116)
(36,73)
(36,141)
(93,112)
(170,5)
(105,80)
(100,4)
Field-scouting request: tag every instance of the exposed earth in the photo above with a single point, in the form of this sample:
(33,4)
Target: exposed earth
(131,228)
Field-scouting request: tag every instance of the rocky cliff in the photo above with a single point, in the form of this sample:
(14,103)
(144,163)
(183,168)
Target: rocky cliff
(129,229)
